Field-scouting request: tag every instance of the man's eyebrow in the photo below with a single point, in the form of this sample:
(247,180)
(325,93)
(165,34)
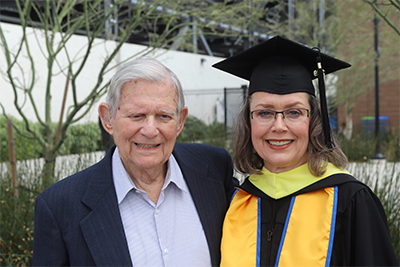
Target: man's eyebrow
(167,111)
(131,111)
(172,112)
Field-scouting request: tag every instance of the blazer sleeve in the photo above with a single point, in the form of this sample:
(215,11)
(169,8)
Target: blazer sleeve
(48,245)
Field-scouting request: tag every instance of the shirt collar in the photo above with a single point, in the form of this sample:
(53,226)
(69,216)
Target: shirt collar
(123,183)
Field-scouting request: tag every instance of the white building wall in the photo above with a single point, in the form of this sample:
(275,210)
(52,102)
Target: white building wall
(194,71)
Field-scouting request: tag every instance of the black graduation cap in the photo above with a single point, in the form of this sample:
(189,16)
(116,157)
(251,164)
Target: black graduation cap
(282,66)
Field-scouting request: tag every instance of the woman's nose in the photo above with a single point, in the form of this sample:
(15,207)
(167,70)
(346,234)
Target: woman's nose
(279,124)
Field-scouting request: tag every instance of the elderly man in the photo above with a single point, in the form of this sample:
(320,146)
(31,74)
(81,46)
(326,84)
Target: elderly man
(150,201)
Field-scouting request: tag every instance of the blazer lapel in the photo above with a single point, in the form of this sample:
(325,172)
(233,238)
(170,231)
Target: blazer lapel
(102,228)
(208,196)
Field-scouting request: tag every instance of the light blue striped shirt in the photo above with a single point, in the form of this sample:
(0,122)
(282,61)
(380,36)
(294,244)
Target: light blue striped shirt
(168,233)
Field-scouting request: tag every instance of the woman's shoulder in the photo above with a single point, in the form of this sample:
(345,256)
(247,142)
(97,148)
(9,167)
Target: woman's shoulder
(357,195)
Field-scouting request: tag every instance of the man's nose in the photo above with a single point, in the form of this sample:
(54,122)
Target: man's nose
(149,128)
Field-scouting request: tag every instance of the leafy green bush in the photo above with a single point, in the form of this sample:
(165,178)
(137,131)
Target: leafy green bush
(362,147)
(195,130)
(391,146)
(17,213)
(24,148)
(17,218)
(81,138)
(384,179)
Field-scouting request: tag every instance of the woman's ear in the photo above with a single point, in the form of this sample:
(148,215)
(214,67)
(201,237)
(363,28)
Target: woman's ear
(105,117)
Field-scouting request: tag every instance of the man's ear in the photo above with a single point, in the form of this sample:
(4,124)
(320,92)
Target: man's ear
(182,118)
(106,118)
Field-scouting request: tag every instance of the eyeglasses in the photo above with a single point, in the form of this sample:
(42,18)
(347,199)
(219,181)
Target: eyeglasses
(292,115)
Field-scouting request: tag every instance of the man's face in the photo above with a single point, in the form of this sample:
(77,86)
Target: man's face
(146,125)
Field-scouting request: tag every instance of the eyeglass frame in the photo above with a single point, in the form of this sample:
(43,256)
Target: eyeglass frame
(277,112)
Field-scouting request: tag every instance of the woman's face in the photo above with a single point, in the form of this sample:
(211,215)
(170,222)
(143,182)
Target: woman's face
(281,143)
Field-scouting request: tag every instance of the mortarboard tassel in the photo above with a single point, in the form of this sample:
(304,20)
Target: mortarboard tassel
(324,106)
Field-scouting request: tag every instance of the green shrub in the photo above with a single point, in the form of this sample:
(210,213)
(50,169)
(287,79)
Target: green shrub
(17,213)
(363,147)
(391,146)
(195,130)
(25,148)
(81,138)
(217,136)
(384,179)
(16,221)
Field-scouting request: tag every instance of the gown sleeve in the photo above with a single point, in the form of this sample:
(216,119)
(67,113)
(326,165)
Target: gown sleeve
(362,236)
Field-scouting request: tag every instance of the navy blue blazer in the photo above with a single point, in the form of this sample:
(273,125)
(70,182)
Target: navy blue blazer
(78,223)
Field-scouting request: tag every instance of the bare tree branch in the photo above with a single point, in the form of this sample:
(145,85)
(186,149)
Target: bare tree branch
(394,3)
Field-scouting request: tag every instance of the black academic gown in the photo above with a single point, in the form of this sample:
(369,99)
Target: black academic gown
(361,234)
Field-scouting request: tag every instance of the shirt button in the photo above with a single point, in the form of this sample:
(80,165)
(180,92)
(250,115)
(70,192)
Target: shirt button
(166,251)
(157,211)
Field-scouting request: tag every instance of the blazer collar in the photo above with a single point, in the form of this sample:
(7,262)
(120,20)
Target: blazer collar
(204,192)
(102,228)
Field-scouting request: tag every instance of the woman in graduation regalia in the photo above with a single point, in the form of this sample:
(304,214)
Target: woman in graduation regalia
(299,206)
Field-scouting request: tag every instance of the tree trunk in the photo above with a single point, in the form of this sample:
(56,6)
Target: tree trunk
(48,170)
(349,125)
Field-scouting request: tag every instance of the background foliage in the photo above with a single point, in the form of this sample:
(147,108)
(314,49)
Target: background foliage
(362,147)
(81,138)
(16,223)
(85,138)
(16,214)
(195,130)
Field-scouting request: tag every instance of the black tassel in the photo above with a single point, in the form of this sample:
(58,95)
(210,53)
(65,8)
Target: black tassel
(324,106)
